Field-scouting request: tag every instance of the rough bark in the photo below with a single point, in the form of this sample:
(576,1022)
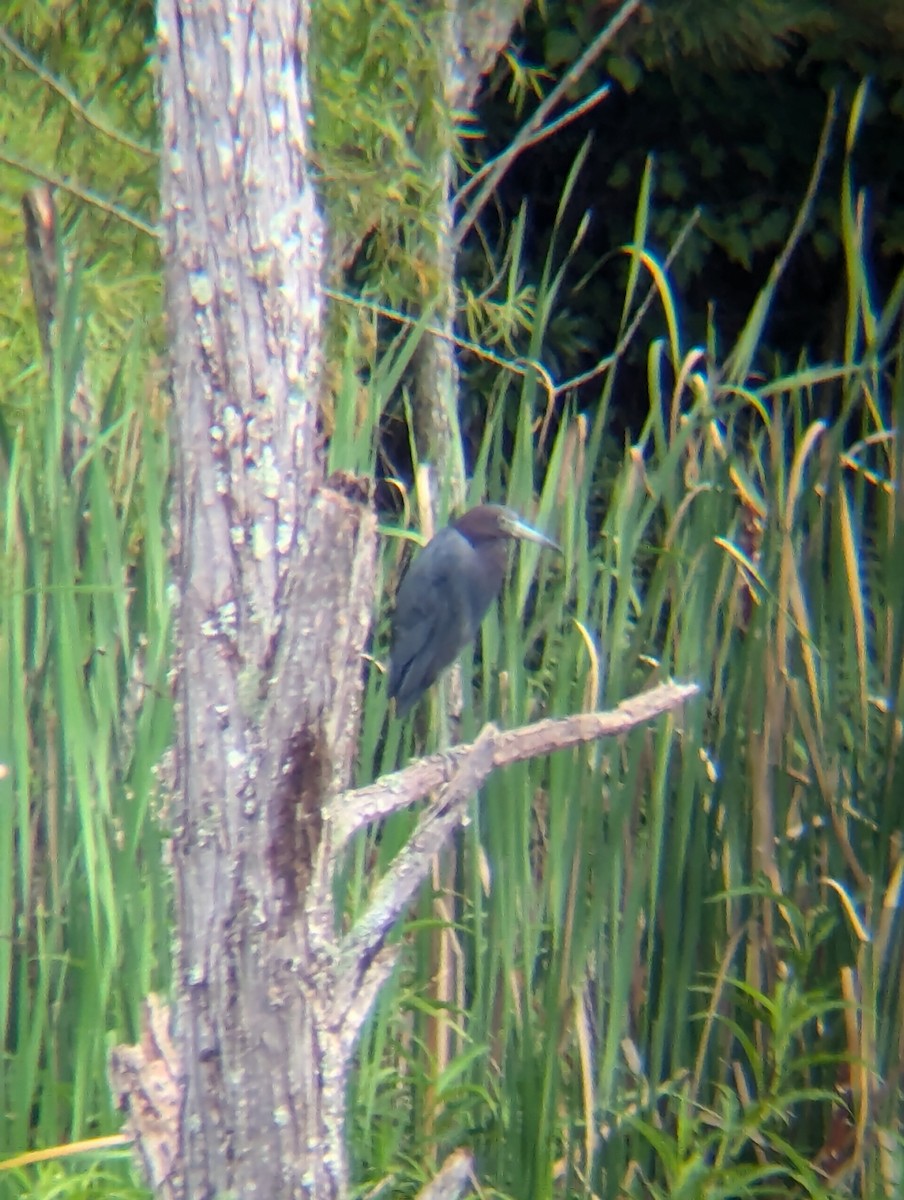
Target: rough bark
(274,568)
(275,575)
(339,978)
(483,32)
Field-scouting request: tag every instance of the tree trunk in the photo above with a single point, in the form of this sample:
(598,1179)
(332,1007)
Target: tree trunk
(474,34)
(245,1094)
(275,574)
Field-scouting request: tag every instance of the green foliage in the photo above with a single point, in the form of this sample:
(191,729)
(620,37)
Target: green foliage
(94,1182)
(649,967)
(384,138)
(91,132)
(733,97)
(85,717)
(84,612)
(381,132)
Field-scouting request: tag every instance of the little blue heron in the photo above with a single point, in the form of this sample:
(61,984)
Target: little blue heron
(445,595)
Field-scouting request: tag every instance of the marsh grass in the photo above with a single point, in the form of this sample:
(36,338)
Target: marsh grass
(674,964)
(670,964)
(85,717)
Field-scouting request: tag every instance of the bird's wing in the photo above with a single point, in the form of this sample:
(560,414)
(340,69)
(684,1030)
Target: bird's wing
(429,614)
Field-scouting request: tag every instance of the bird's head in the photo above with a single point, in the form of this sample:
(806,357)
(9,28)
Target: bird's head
(489,522)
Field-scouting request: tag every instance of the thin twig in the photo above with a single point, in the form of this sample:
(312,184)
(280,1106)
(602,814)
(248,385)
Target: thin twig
(80,193)
(526,134)
(541,135)
(806,207)
(624,341)
(737,367)
(71,99)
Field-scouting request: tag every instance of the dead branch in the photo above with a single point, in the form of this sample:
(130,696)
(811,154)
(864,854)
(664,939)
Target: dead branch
(364,960)
(354,810)
(147,1078)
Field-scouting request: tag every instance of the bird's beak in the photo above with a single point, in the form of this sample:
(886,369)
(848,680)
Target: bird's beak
(517,528)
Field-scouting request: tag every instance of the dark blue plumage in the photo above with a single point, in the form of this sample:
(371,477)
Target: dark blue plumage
(445,595)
